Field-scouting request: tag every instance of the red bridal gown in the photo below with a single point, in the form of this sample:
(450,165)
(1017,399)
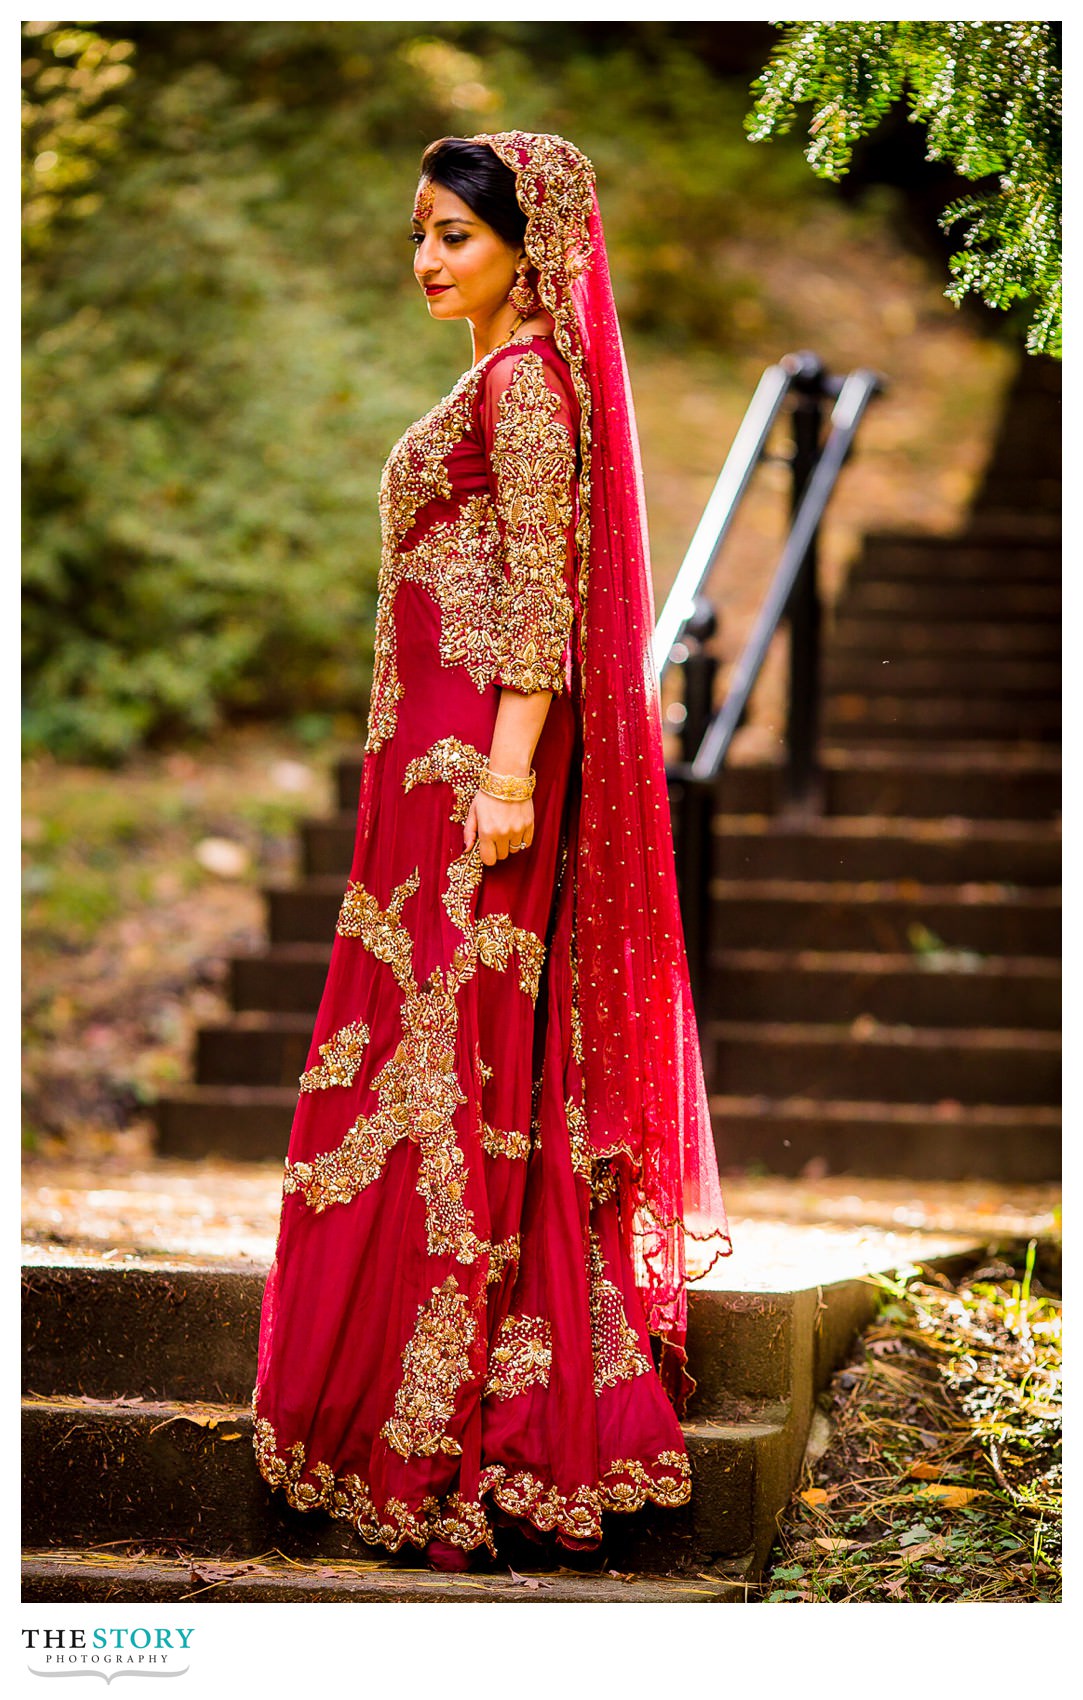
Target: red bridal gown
(450,1324)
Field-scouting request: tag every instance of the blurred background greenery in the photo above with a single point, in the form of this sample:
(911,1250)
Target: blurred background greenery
(224,337)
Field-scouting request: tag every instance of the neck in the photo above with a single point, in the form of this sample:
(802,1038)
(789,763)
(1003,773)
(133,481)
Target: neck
(488,334)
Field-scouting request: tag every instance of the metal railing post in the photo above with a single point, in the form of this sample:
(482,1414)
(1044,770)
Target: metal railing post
(695,800)
(803,779)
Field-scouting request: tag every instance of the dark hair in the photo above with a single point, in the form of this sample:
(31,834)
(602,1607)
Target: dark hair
(472,171)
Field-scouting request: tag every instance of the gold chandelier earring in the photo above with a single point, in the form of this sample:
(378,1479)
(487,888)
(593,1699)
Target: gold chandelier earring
(521,296)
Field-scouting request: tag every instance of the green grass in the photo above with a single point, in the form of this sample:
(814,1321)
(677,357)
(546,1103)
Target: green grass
(942,1478)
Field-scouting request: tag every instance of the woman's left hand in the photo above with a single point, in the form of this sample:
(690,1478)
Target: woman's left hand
(497,825)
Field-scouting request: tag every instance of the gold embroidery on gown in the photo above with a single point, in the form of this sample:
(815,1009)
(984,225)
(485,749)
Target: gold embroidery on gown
(436,1364)
(534,465)
(497,569)
(520,1356)
(342,1056)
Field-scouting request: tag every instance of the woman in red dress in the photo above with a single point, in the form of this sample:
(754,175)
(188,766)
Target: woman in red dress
(501,1145)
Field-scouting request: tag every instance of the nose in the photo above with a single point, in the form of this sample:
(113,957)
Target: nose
(425,268)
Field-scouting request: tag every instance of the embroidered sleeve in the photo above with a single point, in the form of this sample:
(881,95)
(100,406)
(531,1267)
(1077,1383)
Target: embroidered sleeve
(528,421)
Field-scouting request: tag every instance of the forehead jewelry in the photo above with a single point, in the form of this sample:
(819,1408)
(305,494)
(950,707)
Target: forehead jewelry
(426,194)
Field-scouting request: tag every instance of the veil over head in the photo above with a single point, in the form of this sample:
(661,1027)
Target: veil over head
(644,1096)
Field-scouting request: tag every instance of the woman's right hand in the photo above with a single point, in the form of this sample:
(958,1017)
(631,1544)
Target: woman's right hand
(497,825)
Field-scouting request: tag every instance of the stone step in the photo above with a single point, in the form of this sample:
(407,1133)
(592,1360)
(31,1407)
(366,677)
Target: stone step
(282,978)
(931,1142)
(915,675)
(987,917)
(889,636)
(945,599)
(888,915)
(130,1579)
(903,1063)
(963,563)
(182,1331)
(869,986)
(1029,528)
(969,991)
(257,1049)
(946,1140)
(253,1048)
(861,846)
(251,1123)
(95,1471)
(1016,545)
(947,716)
(971,781)
(968,780)
(108,1467)
(883,847)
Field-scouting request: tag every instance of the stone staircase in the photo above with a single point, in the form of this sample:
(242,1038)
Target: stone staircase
(886,987)
(885,995)
(139,1481)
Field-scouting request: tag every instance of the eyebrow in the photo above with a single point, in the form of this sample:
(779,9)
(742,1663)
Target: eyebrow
(440,222)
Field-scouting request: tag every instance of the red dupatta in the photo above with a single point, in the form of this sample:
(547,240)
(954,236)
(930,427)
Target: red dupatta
(644,1095)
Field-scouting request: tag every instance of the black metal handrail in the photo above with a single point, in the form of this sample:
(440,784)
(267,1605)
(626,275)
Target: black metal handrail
(687,621)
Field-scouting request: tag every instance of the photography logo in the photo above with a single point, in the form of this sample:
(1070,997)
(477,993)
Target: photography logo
(108,1653)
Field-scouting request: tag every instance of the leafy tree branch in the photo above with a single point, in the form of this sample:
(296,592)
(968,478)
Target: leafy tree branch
(989,95)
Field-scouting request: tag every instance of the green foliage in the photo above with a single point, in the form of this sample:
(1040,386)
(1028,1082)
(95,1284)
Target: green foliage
(70,124)
(989,95)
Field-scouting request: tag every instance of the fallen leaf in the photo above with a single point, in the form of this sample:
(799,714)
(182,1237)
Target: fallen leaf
(927,1472)
(832,1543)
(948,1495)
(815,1496)
(528,1581)
(916,1532)
(926,1550)
(202,1572)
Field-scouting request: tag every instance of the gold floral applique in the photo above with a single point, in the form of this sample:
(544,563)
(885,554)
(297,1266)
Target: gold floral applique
(618,1354)
(436,1366)
(449,762)
(576,1118)
(520,1357)
(342,1056)
(502,1254)
(381,930)
(505,1142)
(463,876)
(414,474)
(498,936)
(458,561)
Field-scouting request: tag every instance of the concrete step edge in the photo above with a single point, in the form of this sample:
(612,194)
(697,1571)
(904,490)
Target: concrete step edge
(884,964)
(946,831)
(971,894)
(765,1418)
(872,1110)
(71,1575)
(998,1039)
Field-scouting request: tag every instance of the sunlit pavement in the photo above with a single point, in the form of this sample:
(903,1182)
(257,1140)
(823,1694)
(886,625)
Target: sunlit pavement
(786,1233)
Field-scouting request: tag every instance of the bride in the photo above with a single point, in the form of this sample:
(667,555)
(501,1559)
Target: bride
(477,1310)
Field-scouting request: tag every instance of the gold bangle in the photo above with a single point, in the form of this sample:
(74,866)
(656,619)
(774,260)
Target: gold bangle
(509,787)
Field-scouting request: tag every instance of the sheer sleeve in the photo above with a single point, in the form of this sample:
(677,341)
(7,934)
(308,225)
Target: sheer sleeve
(528,419)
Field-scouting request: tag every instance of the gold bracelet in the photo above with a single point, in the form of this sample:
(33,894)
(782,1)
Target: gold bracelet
(509,787)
